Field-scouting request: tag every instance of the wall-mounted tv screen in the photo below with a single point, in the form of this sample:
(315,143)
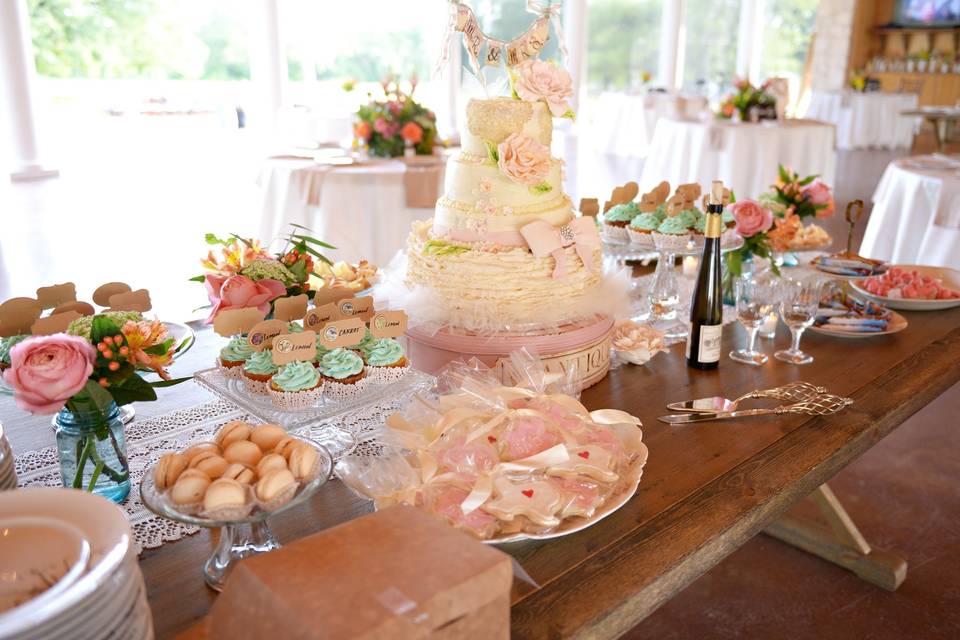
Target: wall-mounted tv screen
(929,13)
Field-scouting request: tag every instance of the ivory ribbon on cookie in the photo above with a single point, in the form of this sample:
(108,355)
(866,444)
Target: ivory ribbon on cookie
(483,488)
(546,240)
(613,416)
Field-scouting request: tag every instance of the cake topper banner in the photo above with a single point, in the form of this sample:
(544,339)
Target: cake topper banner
(292,347)
(486,51)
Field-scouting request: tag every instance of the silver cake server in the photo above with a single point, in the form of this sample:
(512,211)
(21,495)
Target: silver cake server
(793,391)
(821,405)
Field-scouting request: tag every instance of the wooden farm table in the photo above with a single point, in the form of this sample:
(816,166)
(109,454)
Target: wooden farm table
(706,489)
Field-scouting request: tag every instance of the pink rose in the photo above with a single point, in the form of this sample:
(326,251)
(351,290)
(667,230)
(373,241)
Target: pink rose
(523,159)
(380,125)
(818,193)
(239,292)
(540,80)
(751,218)
(46,371)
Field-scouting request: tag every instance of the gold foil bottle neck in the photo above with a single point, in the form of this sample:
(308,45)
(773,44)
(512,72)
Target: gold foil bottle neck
(714,226)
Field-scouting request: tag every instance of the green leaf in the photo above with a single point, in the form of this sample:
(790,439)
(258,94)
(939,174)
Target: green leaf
(184,345)
(198,279)
(733,196)
(443,248)
(493,155)
(101,327)
(159,349)
(169,383)
(735,263)
(212,239)
(570,114)
(133,389)
(300,226)
(246,242)
(784,176)
(543,187)
(808,180)
(91,398)
(318,255)
(312,240)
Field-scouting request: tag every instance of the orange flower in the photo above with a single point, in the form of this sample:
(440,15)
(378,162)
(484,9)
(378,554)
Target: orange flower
(142,335)
(411,132)
(362,130)
(236,256)
(784,230)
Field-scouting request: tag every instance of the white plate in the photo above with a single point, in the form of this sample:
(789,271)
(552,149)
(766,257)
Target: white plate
(896,324)
(950,278)
(105,528)
(39,555)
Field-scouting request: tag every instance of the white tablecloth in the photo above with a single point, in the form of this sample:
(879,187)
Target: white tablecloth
(743,155)
(866,120)
(359,209)
(623,124)
(916,213)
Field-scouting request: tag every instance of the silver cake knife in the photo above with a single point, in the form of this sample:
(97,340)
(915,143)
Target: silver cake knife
(685,418)
(821,405)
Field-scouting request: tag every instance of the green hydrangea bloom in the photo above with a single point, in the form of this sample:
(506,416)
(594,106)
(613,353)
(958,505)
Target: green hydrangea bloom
(263,268)
(81,326)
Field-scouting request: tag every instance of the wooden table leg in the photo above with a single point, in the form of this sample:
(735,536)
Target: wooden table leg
(840,542)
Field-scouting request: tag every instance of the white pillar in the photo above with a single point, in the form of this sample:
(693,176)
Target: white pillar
(670,63)
(453,71)
(268,64)
(18,73)
(575,32)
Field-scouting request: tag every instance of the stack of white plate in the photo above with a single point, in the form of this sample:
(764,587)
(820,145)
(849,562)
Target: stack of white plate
(79,579)
(8,476)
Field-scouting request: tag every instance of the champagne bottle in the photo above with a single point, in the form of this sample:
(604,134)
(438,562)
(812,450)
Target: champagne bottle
(706,309)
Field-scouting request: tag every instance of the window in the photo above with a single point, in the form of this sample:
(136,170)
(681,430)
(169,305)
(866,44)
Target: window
(623,41)
(788,25)
(710,45)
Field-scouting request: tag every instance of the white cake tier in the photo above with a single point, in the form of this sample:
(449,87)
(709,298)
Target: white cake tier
(494,120)
(478,288)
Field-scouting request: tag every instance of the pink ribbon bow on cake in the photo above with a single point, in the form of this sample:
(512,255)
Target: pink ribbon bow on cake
(544,239)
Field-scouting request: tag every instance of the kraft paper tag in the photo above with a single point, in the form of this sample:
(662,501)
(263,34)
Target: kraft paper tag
(355,308)
(50,297)
(83,308)
(262,334)
(54,324)
(326,294)
(102,295)
(290,308)
(342,333)
(589,206)
(138,300)
(295,346)
(17,315)
(236,321)
(319,316)
(388,324)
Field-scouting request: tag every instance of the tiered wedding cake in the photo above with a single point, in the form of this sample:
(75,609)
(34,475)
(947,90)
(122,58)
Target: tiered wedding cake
(506,261)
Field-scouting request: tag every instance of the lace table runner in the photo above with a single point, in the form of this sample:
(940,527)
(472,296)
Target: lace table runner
(148,439)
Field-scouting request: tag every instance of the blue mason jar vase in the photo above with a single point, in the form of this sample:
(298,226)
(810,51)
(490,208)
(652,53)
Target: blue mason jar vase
(93,453)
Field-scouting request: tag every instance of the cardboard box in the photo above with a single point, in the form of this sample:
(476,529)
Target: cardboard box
(397,573)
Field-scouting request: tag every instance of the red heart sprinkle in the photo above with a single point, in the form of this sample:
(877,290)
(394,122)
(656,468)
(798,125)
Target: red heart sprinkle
(491,439)
(527,492)
(584,454)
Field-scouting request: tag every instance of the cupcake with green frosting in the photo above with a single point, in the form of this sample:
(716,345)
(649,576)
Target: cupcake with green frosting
(385,352)
(673,226)
(6,344)
(294,327)
(616,219)
(660,212)
(367,340)
(296,385)
(237,351)
(727,218)
(342,366)
(642,227)
(257,371)
(689,217)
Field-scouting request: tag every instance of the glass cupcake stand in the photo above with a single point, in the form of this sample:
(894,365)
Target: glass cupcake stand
(660,306)
(240,537)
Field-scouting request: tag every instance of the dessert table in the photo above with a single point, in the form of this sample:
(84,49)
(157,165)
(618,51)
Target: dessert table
(744,155)
(363,209)
(706,489)
(622,124)
(866,120)
(916,213)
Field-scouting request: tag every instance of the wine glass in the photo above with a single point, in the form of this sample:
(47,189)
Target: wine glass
(756,296)
(799,301)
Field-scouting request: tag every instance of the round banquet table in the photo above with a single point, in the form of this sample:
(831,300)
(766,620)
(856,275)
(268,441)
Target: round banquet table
(623,124)
(364,209)
(866,120)
(744,155)
(916,213)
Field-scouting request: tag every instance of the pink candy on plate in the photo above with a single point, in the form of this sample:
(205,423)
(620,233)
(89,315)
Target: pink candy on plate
(910,285)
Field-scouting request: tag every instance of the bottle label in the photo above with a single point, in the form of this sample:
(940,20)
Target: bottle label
(714,226)
(710,343)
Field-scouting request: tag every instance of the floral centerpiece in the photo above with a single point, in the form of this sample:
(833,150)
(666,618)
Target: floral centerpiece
(83,375)
(246,275)
(749,98)
(387,126)
(792,195)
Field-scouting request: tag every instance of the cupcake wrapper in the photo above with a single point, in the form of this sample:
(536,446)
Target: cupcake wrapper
(338,390)
(669,242)
(255,386)
(385,375)
(643,240)
(296,400)
(615,234)
(234,373)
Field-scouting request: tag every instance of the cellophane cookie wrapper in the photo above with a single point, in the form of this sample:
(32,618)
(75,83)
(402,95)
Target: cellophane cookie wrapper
(496,460)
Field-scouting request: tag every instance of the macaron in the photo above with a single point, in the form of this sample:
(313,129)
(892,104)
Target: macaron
(243,451)
(274,484)
(241,473)
(232,432)
(267,436)
(168,469)
(189,488)
(270,462)
(210,463)
(224,494)
(303,461)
